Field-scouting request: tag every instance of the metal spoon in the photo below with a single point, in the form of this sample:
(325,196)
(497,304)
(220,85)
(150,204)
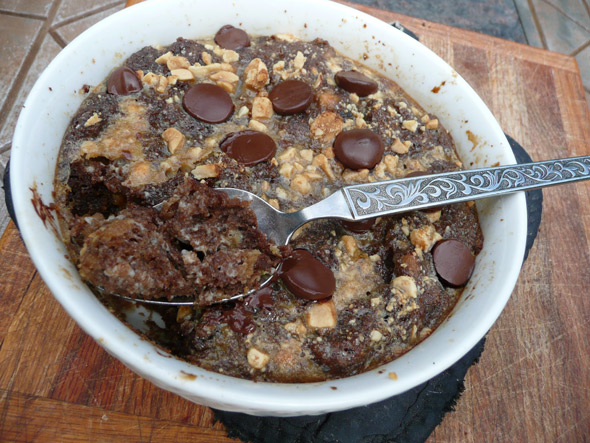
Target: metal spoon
(369,200)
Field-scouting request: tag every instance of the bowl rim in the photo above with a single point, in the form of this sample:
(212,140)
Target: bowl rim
(274,398)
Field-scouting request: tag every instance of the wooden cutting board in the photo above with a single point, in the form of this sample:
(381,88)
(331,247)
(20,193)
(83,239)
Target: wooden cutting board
(531,384)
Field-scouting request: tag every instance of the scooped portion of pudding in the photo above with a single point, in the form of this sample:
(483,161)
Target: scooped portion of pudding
(201,244)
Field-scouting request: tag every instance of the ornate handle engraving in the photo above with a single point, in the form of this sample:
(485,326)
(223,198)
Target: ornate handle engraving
(388,197)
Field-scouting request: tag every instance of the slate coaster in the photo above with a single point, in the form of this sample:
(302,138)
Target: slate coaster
(408,417)
(7,195)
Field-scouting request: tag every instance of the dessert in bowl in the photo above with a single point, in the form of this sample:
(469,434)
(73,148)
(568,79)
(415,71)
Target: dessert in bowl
(89,59)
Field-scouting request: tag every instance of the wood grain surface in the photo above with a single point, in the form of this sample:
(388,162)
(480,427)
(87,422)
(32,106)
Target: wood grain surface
(531,384)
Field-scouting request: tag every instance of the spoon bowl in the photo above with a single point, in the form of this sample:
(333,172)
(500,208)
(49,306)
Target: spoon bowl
(278,226)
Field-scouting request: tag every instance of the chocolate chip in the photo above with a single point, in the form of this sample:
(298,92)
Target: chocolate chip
(453,261)
(229,37)
(354,81)
(307,277)
(248,147)
(358,226)
(239,319)
(290,97)
(123,81)
(358,148)
(261,299)
(208,103)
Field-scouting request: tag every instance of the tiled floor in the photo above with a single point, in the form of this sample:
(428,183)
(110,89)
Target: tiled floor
(32,32)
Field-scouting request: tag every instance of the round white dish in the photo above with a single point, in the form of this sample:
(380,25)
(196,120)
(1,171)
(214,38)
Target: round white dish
(89,58)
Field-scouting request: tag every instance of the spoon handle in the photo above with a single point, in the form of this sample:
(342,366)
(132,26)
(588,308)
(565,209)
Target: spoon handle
(392,196)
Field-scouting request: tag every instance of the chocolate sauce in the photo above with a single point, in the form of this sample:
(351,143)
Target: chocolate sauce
(239,318)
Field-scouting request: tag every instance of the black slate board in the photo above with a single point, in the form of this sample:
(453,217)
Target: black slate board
(7,195)
(408,417)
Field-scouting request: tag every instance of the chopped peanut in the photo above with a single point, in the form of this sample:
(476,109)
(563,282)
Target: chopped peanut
(360,176)
(322,315)
(287,37)
(300,183)
(206,57)
(150,78)
(410,125)
(425,237)
(256,75)
(261,108)
(162,84)
(278,66)
(163,59)
(398,147)
(177,62)
(311,172)
(243,112)
(287,170)
(328,101)
(174,139)
(274,203)
(288,155)
(94,119)
(432,124)
(224,76)
(202,72)
(206,171)
(326,126)
(299,60)
(306,155)
(159,82)
(257,359)
(350,244)
(227,87)
(391,162)
(182,74)
(257,126)
(296,327)
(379,171)
(433,216)
(376,335)
(404,288)
(230,56)
(143,173)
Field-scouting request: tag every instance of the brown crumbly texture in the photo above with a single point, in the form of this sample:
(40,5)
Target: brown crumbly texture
(199,239)
(123,155)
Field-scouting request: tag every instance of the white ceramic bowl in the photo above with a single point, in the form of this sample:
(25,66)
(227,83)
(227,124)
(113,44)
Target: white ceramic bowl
(89,58)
